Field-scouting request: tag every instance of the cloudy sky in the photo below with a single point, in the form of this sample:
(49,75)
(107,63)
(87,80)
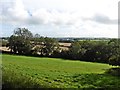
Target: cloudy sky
(60,18)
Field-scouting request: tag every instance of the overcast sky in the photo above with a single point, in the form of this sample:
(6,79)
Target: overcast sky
(61,18)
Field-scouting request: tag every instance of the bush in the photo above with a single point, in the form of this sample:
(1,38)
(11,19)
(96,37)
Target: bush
(114,71)
(4,43)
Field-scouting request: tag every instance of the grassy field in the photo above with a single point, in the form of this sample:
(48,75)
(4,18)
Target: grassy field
(34,72)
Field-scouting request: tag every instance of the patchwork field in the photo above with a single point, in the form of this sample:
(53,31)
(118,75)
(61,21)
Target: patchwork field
(35,72)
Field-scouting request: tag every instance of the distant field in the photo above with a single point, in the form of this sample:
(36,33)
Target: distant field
(63,46)
(34,72)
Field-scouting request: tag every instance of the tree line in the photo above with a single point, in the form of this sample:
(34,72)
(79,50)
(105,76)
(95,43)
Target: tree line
(24,42)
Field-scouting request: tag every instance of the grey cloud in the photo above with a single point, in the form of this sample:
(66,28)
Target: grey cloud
(99,18)
(15,13)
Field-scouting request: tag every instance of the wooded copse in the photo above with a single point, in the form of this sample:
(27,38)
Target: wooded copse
(24,42)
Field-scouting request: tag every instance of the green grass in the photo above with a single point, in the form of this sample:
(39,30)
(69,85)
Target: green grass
(34,72)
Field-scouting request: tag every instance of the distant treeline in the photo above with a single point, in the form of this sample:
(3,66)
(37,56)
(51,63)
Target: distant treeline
(92,50)
(71,39)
